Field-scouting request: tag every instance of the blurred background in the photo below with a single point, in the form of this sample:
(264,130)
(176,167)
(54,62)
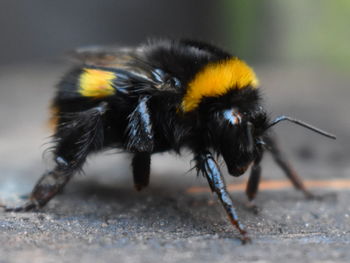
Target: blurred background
(300,50)
(261,31)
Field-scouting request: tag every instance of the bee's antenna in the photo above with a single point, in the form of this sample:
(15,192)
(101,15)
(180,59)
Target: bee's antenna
(301,123)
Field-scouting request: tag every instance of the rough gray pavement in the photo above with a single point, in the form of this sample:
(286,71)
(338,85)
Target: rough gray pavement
(101,218)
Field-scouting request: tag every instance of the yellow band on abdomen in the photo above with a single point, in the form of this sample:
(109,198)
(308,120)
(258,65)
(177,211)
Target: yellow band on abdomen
(96,83)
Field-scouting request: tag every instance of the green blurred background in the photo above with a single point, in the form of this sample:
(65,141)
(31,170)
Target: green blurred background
(264,31)
(291,32)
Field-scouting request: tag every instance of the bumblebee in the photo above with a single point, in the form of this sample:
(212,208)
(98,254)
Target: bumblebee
(163,95)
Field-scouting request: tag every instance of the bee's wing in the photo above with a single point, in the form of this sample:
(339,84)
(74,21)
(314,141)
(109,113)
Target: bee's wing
(130,64)
(108,56)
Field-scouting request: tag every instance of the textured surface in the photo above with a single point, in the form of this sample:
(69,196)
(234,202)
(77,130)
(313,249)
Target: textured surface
(100,218)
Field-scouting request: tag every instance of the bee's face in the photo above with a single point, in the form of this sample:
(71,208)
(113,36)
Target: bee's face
(237,137)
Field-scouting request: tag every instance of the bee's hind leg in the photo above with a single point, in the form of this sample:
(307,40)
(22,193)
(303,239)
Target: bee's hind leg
(79,134)
(46,188)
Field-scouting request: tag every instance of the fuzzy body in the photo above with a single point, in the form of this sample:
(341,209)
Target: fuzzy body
(161,96)
(187,83)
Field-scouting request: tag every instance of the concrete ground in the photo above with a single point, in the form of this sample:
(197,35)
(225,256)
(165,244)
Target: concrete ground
(100,218)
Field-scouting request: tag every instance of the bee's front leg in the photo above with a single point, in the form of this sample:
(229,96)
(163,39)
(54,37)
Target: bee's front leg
(208,166)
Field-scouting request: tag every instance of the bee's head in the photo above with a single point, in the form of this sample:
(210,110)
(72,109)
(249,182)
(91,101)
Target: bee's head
(237,136)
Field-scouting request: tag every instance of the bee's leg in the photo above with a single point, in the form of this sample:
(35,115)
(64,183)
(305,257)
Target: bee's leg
(78,135)
(140,141)
(282,162)
(253,183)
(141,163)
(45,189)
(139,130)
(208,166)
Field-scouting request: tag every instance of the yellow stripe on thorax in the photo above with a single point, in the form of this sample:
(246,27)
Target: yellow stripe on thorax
(96,83)
(217,79)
